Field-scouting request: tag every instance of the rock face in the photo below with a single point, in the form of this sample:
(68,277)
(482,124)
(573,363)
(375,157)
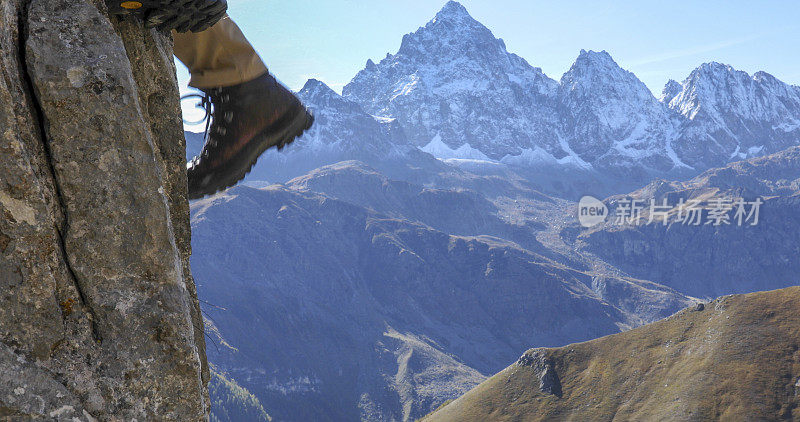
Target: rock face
(735,360)
(99,318)
(546,372)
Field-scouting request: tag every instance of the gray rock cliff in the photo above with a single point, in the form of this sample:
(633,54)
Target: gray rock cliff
(99,318)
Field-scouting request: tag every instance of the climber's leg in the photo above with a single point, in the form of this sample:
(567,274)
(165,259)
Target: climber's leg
(251,110)
(219,56)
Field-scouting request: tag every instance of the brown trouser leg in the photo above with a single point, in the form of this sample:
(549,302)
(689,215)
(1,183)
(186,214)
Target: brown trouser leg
(219,56)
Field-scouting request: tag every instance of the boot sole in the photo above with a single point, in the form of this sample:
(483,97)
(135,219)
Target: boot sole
(300,121)
(166,15)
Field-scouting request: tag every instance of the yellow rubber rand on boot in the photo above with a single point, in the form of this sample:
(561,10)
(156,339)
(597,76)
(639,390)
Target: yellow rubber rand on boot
(131,5)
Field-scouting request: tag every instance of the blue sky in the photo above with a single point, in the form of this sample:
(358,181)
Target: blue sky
(657,40)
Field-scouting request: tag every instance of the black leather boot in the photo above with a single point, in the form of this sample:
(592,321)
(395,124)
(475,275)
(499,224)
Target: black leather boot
(246,120)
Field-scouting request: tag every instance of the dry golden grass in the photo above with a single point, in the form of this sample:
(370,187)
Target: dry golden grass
(737,360)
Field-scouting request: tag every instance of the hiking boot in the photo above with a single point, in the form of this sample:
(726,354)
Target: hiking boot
(166,15)
(246,120)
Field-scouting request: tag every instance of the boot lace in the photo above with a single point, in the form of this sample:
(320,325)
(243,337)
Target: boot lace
(207,105)
(211,103)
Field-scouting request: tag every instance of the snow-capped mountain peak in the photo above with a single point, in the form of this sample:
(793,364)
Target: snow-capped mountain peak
(594,69)
(319,96)
(731,115)
(595,60)
(452,33)
(611,119)
(456,92)
(316,88)
(450,71)
(454,12)
(671,90)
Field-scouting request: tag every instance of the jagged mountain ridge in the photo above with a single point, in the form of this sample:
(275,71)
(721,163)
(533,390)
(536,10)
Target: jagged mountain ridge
(453,91)
(458,93)
(728,115)
(449,80)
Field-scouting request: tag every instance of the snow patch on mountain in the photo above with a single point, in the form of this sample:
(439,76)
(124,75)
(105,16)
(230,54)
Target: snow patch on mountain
(538,157)
(440,150)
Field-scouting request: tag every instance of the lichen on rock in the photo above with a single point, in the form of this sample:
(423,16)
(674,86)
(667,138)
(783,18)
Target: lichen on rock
(99,318)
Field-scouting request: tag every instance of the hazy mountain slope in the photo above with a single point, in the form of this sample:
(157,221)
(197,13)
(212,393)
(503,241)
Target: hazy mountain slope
(458,212)
(737,359)
(527,218)
(708,260)
(405,316)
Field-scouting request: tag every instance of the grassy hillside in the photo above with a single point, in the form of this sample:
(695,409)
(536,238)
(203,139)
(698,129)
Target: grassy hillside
(738,358)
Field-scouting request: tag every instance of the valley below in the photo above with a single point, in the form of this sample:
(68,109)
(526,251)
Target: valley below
(424,235)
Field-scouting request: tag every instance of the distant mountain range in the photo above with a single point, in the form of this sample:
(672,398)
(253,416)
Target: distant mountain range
(458,93)
(422,235)
(453,91)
